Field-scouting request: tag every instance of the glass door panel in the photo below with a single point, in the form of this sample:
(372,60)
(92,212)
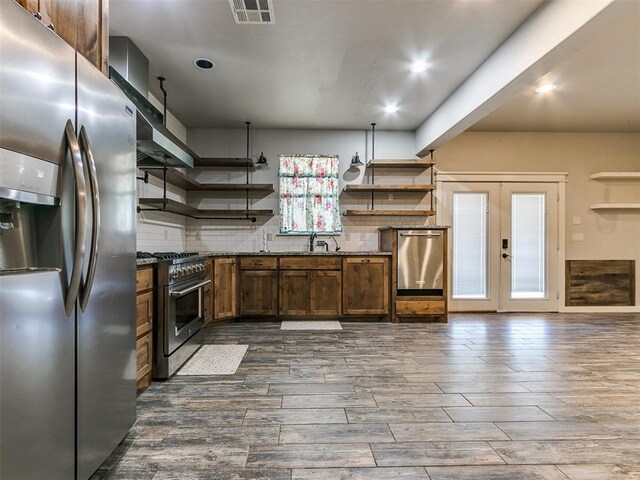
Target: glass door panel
(529,244)
(473,211)
(469,232)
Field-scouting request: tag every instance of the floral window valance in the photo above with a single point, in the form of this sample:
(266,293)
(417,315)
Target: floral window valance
(309,194)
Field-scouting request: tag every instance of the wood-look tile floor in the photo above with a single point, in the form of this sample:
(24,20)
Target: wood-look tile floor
(502,396)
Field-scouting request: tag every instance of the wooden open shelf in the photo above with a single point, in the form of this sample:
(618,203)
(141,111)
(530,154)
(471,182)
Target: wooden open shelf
(388,213)
(180,180)
(615,176)
(400,163)
(616,206)
(173,206)
(217,162)
(390,188)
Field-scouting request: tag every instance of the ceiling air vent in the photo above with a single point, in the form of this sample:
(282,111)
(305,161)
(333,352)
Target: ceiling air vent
(252,11)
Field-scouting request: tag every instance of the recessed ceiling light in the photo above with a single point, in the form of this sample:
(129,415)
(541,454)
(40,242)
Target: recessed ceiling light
(391,109)
(419,66)
(204,63)
(547,87)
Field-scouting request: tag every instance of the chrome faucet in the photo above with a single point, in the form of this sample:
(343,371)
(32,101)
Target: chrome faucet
(312,239)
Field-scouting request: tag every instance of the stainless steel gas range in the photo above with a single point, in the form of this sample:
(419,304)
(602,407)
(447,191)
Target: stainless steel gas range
(178,330)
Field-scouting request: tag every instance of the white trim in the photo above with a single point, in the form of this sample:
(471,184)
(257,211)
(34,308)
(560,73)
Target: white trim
(603,309)
(519,177)
(561,244)
(522,177)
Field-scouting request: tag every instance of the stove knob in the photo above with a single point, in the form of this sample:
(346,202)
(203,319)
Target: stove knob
(200,267)
(181,272)
(173,274)
(189,270)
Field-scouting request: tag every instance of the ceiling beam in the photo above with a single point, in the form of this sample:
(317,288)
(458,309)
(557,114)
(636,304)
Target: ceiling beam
(557,30)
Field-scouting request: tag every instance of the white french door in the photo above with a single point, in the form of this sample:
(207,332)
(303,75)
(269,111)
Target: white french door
(503,244)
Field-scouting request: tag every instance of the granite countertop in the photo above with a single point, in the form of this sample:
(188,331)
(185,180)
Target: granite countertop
(341,253)
(146,261)
(346,253)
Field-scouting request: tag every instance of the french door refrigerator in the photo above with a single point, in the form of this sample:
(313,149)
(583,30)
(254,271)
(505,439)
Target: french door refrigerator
(67,256)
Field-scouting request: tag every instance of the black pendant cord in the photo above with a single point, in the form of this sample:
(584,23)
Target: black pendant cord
(431,169)
(373,164)
(247,190)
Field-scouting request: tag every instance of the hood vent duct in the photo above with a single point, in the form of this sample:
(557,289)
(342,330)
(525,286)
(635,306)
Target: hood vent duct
(157,146)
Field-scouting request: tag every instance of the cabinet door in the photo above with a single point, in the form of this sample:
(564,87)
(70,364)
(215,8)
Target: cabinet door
(366,286)
(83,24)
(326,293)
(144,313)
(259,293)
(144,359)
(224,288)
(294,292)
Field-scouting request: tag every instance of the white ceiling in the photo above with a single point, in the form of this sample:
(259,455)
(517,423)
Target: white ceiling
(598,90)
(324,64)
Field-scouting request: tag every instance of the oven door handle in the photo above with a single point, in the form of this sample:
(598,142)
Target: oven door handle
(179,293)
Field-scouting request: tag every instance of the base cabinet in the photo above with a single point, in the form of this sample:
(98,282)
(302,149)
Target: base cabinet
(207,296)
(259,293)
(225,284)
(366,286)
(294,293)
(144,325)
(310,293)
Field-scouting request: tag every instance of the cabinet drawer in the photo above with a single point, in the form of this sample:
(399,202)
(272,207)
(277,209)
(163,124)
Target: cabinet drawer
(144,313)
(407,307)
(258,263)
(144,359)
(310,263)
(144,279)
(365,260)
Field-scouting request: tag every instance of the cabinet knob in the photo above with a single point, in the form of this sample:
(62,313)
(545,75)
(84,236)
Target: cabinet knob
(51,27)
(38,15)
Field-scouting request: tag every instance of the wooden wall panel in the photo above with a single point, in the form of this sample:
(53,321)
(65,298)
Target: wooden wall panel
(600,283)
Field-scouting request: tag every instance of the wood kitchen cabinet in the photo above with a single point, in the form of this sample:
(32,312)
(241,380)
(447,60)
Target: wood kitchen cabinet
(144,324)
(258,286)
(225,288)
(207,295)
(83,24)
(310,286)
(366,285)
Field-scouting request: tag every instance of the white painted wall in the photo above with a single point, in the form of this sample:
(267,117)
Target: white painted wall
(359,233)
(606,235)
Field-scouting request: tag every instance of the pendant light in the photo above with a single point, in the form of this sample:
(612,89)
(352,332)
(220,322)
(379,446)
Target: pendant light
(355,161)
(262,161)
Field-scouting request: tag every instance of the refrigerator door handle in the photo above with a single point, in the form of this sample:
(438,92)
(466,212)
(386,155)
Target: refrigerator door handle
(95,210)
(81,218)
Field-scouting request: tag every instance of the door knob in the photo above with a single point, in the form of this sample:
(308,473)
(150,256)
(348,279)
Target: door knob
(505,255)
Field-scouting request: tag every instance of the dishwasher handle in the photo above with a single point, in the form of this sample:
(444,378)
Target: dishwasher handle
(425,234)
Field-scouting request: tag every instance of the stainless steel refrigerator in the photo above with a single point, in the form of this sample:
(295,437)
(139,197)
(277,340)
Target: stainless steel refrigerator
(67,256)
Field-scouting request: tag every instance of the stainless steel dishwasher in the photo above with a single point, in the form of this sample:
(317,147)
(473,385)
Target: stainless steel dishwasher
(420,262)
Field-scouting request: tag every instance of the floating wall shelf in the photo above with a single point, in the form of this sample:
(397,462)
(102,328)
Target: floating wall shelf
(218,162)
(389,188)
(615,176)
(420,164)
(179,208)
(389,213)
(616,206)
(180,180)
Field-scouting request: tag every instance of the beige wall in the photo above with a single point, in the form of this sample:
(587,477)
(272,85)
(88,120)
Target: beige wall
(606,235)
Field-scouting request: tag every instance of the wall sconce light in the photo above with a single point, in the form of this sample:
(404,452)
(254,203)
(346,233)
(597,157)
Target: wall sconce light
(262,161)
(355,161)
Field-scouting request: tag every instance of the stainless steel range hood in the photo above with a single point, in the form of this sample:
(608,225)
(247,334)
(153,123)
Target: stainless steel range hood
(157,146)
